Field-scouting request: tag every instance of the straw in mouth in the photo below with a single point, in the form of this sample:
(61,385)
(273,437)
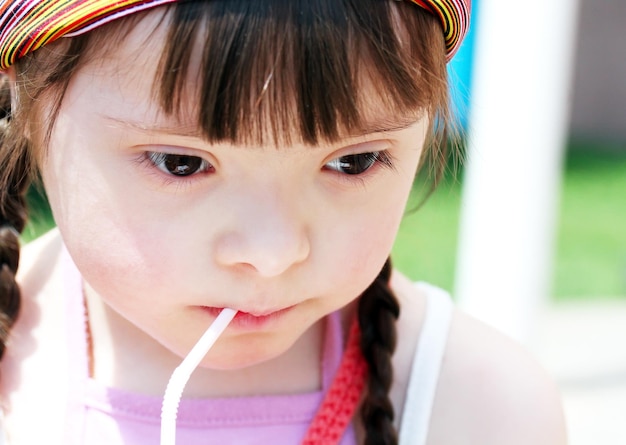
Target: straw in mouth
(180,376)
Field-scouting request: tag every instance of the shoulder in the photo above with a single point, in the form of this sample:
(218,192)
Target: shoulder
(490,389)
(38,257)
(494,391)
(40,277)
(34,372)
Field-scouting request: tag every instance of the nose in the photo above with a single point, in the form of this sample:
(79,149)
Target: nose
(265,234)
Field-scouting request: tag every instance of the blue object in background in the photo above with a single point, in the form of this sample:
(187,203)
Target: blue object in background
(460,72)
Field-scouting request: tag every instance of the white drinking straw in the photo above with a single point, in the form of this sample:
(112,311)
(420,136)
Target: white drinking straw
(180,376)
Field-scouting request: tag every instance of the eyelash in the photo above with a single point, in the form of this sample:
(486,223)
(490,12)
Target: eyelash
(367,162)
(153,161)
(374,159)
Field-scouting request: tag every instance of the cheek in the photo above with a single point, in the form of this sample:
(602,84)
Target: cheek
(359,252)
(106,239)
(374,239)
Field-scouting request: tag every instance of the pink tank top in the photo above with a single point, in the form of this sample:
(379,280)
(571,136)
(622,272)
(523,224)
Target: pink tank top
(99,415)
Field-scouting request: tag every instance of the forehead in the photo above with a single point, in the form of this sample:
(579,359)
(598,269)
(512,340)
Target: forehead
(129,62)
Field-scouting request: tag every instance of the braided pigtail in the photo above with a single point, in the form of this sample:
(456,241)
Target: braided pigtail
(14,173)
(42,74)
(378,311)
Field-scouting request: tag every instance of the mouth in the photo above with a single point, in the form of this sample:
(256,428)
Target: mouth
(251,319)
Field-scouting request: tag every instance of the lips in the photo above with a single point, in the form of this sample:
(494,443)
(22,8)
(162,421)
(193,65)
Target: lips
(253,318)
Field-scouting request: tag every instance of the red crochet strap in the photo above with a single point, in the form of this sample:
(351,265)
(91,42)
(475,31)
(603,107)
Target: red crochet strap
(343,396)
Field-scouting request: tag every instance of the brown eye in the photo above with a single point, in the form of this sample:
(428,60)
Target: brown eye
(178,165)
(355,164)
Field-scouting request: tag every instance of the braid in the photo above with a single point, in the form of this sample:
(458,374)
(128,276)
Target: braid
(14,169)
(9,290)
(378,311)
(51,74)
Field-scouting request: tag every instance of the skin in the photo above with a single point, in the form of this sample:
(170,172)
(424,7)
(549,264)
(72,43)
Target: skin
(260,229)
(263,229)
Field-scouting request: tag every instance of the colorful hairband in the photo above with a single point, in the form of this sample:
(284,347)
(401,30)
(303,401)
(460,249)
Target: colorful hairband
(26,25)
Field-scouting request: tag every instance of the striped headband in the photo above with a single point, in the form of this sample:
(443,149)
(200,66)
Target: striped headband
(26,25)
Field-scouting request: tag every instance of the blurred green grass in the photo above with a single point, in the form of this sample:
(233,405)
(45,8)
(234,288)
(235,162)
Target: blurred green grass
(591,237)
(40,218)
(590,257)
(425,248)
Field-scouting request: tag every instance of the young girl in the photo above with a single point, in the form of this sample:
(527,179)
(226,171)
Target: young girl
(256,155)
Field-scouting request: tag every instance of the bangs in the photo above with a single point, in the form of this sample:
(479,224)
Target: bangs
(271,72)
(285,71)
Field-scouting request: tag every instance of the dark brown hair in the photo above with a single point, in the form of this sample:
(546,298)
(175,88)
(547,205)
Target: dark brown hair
(272,72)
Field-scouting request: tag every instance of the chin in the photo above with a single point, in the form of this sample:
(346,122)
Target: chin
(231,358)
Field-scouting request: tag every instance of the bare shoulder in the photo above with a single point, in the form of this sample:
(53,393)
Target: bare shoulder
(412,309)
(36,258)
(493,391)
(490,389)
(39,277)
(34,368)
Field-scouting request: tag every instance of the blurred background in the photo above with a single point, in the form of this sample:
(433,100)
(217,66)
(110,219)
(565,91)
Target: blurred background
(530,233)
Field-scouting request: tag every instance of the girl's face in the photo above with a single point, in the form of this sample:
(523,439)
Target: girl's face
(166,228)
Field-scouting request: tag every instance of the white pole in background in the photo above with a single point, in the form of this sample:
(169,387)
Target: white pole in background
(517,127)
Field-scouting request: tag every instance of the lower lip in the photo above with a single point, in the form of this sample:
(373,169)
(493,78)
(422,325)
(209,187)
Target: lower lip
(246,321)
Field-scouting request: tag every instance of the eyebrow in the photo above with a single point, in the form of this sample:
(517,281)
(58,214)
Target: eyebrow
(379,125)
(387,125)
(176,130)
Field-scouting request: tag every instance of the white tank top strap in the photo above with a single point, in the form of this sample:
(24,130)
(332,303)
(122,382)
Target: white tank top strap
(426,366)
